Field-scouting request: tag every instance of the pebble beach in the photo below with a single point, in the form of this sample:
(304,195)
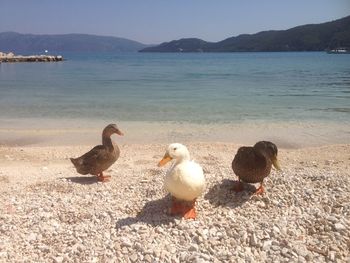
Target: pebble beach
(49,213)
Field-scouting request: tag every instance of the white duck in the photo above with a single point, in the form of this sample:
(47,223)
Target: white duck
(184,180)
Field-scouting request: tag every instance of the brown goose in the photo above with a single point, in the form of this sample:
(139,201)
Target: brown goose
(101,157)
(253,164)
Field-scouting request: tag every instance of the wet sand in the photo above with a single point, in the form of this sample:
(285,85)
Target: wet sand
(48,132)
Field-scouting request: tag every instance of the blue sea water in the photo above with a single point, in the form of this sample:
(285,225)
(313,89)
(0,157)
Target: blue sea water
(180,87)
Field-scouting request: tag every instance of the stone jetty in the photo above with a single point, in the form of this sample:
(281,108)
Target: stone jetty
(11,57)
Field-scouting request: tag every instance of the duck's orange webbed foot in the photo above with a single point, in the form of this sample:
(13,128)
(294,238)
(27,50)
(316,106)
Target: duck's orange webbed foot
(175,208)
(190,210)
(238,187)
(103,178)
(179,207)
(191,213)
(260,190)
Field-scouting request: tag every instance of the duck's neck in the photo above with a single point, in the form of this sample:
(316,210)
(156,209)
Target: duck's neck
(262,154)
(183,158)
(107,141)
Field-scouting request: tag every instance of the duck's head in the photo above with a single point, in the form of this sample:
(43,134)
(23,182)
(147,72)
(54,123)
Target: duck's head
(269,150)
(175,151)
(111,129)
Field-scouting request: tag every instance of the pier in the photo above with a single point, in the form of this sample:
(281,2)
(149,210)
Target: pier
(10,57)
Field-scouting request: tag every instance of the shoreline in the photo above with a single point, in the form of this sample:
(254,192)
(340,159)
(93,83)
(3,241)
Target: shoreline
(68,132)
(20,165)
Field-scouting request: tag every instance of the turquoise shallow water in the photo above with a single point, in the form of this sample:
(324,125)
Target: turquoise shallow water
(196,88)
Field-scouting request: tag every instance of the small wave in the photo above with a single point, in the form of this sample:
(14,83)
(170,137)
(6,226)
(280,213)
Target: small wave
(344,110)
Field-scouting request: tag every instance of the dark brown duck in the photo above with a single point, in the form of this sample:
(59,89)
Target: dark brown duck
(253,164)
(101,157)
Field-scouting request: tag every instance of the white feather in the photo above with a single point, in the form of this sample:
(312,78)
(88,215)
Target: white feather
(185,179)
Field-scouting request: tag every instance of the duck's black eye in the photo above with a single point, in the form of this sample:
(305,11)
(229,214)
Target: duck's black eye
(175,149)
(272,149)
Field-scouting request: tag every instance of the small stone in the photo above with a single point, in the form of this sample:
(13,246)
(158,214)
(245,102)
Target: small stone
(133,257)
(156,253)
(58,259)
(249,259)
(205,232)
(126,243)
(339,227)
(267,244)
(31,237)
(276,230)
(44,248)
(284,252)
(138,246)
(297,210)
(205,256)
(308,191)
(333,219)
(275,202)
(301,259)
(275,248)
(148,258)
(301,252)
(171,249)
(253,240)
(193,247)
(275,243)
(183,256)
(261,204)
(327,209)
(329,162)
(198,239)
(309,256)
(331,255)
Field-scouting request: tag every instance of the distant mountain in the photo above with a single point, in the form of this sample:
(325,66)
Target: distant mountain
(182,45)
(315,37)
(26,43)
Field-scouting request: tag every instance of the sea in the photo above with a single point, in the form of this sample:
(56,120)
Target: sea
(183,88)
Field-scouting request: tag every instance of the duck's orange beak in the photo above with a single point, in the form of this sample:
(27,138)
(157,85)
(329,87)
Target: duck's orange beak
(276,163)
(165,160)
(119,132)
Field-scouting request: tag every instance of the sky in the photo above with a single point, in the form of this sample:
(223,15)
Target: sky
(157,21)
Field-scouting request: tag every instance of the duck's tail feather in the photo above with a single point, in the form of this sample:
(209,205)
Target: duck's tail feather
(77,162)
(74,161)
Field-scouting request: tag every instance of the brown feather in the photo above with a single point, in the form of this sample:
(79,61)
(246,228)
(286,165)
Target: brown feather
(99,158)
(251,165)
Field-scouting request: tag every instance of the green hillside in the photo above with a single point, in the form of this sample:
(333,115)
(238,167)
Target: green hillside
(316,37)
